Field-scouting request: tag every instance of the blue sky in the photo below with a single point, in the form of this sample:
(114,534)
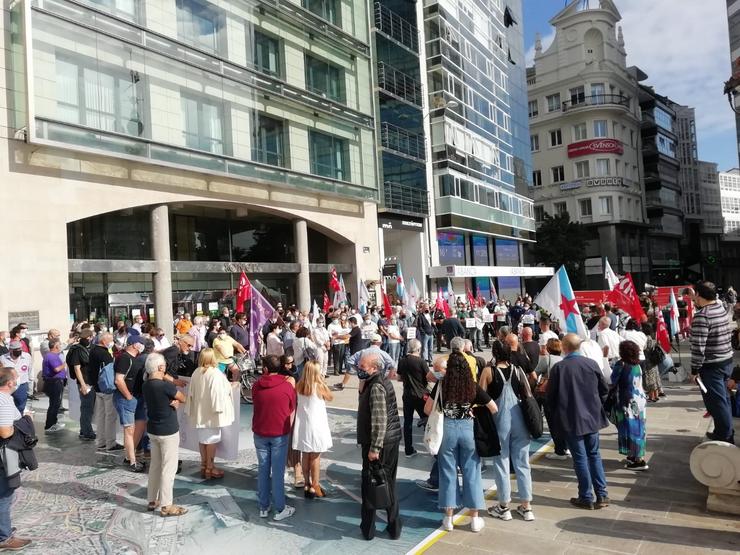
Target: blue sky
(690,71)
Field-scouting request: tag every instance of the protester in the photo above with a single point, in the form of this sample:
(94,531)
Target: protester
(576,392)
(311,433)
(518,356)
(22,362)
(545,333)
(224,347)
(162,399)
(9,413)
(607,338)
(44,345)
(161,343)
(650,374)
(209,408)
(633,332)
(506,384)
(78,358)
(54,372)
(273,341)
(127,368)
(412,371)
(389,366)
(105,410)
(452,327)
(184,324)
(212,333)
(425,331)
(631,401)
(323,342)
(394,339)
(339,331)
(225,318)
(274,402)
(530,347)
(456,399)
(289,337)
(378,434)
(554,350)
(198,333)
(711,359)
(303,350)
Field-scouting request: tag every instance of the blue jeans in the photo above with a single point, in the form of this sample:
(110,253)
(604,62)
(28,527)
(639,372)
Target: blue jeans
(394,350)
(588,466)
(514,438)
(717,398)
(6,500)
(427,346)
(20,396)
(272,454)
(87,409)
(458,449)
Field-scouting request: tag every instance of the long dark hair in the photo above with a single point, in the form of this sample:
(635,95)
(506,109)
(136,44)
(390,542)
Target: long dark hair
(458,385)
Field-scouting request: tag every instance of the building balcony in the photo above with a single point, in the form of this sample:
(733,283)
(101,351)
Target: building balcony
(405,199)
(396,28)
(398,84)
(612,101)
(402,142)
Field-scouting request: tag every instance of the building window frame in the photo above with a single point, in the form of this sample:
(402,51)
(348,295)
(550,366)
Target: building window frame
(193,15)
(328,10)
(601,128)
(582,169)
(197,139)
(603,167)
(537,178)
(580,132)
(338,161)
(606,206)
(534,142)
(269,143)
(556,138)
(585,208)
(557,174)
(331,85)
(267,53)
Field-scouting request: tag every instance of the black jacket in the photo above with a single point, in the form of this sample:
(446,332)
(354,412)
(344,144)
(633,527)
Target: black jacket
(423,325)
(393,423)
(452,327)
(22,441)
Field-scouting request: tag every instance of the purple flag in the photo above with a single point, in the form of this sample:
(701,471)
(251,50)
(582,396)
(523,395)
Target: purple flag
(261,312)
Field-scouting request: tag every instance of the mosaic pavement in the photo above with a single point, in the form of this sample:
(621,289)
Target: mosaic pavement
(82,501)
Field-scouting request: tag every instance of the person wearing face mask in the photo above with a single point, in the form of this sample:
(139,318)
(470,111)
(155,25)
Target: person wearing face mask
(105,411)
(323,342)
(224,346)
(54,371)
(78,357)
(412,371)
(394,338)
(273,342)
(126,399)
(425,332)
(23,365)
(339,332)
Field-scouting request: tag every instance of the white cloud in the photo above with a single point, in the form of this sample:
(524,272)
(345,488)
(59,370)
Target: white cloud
(683,46)
(546,42)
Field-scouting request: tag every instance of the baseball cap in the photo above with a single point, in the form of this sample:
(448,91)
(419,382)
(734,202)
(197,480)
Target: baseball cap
(134,339)
(376,338)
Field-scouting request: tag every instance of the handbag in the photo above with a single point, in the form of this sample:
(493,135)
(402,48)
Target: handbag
(540,390)
(435,424)
(485,434)
(378,494)
(529,407)
(611,404)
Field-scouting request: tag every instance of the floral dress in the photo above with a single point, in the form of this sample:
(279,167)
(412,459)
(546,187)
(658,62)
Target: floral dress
(631,411)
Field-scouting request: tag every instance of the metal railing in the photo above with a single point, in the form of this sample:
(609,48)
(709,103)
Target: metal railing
(396,27)
(597,100)
(401,141)
(405,199)
(399,84)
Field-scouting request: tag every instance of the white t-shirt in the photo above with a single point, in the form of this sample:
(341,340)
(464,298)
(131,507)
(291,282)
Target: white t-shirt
(338,329)
(391,329)
(501,311)
(8,411)
(610,338)
(23,366)
(545,336)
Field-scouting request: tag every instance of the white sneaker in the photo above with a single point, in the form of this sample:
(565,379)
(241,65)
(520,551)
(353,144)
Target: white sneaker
(55,428)
(526,514)
(264,513)
(287,512)
(447,524)
(477,524)
(497,511)
(556,457)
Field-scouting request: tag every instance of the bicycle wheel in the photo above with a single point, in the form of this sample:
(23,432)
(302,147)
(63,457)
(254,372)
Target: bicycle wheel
(247,383)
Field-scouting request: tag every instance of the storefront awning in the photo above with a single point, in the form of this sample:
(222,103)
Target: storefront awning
(489,271)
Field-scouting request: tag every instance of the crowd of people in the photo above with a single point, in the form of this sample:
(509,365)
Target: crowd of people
(482,406)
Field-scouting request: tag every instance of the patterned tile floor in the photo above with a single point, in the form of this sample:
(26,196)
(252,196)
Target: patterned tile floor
(82,501)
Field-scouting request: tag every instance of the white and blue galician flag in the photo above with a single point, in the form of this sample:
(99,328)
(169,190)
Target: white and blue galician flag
(493,294)
(364,296)
(450,293)
(559,300)
(400,285)
(675,327)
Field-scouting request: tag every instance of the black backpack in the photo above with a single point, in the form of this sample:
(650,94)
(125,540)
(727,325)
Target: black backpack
(654,353)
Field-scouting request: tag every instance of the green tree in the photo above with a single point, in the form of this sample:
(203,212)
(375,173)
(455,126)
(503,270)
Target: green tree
(561,242)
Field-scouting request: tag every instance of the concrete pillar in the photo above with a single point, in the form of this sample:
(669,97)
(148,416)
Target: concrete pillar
(163,277)
(301,252)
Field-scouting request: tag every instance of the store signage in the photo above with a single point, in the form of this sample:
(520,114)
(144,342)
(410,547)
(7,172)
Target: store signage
(595,146)
(397,223)
(605,182)
(570,185)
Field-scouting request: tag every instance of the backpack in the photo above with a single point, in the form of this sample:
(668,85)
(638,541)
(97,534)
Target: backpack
(106,379)
(654,354)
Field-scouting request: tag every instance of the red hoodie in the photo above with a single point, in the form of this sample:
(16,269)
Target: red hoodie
(274,402)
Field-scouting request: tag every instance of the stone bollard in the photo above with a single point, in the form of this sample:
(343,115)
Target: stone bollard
(716,464)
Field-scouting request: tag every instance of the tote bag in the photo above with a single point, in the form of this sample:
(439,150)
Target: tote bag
(530,408)
(435,424)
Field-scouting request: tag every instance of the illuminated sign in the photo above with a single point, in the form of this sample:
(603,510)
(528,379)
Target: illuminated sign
(595,146)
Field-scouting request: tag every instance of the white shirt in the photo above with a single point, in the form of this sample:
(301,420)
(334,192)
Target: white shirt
(610,338)
(342,332)
(23,366)
(391,329)
(368,329)
(321,336)
(590,349)
(161,344)
(501,311)
(545,336)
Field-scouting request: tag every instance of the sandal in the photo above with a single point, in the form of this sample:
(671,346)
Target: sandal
(217,472)
(173,510)
(319,491)
(152,506)
(202,470)
(309,493)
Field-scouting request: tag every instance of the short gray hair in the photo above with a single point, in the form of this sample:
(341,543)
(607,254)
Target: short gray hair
(374,360)
(468,345)
(457,344)
(152,364)
(198,320)
(414,346)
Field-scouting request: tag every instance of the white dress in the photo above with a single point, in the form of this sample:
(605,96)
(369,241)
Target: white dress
(311,433)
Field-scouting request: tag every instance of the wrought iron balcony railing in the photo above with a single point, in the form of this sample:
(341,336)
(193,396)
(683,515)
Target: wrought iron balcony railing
(401,141)
(399,84)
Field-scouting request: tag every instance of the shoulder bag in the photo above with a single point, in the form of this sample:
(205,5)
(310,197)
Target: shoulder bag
(485,434)
(540,390)
(435,424)
(529,407)
(378,494)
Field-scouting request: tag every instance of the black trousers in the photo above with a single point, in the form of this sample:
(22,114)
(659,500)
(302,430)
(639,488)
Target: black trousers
(389,460)
(54,390)
(411,405)
(338,354)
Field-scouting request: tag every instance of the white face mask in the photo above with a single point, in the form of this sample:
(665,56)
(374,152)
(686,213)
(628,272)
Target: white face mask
(140,348)
(23,334)
(109,345)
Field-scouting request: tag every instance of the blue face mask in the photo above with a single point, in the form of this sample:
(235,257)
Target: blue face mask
(438,375)
(362,375)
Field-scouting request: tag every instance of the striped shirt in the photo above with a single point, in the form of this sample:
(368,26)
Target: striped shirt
(8,412)
(710,336)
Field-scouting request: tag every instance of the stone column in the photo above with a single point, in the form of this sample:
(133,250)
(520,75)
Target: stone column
(301,250)
(162,279)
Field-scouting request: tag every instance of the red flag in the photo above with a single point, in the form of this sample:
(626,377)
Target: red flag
(387,309)
(441,304)
(446,308)
(661,333)
(243,292)
(334,281)
(327,303)
(471,299)
(481,300)
(625,296)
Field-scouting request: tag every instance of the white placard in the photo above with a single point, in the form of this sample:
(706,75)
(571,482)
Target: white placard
(487,317)
(411,332)
(212,307)
(228,448)
(469,322)
(135,312)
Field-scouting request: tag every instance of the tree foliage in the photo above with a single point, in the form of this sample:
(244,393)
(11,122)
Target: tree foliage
(561,242)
